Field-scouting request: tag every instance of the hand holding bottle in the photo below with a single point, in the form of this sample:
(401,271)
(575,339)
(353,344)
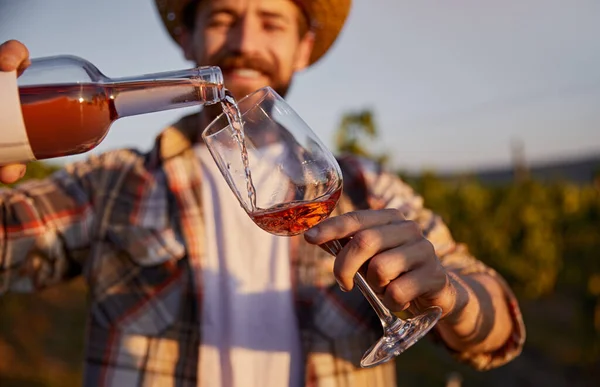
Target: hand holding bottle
(13,56)
(64,105)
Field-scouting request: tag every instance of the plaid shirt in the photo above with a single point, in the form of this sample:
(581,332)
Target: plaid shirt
(132,224)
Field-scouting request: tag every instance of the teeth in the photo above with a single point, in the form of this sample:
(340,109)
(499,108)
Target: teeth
(247,73)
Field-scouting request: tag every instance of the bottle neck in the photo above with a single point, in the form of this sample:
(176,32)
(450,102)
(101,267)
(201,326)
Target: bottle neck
(164,91)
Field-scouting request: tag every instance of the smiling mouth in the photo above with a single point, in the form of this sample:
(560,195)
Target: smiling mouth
(245,73)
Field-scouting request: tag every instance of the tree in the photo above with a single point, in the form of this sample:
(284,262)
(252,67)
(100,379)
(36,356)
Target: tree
(355,131)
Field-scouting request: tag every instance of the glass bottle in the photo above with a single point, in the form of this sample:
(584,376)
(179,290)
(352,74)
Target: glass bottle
(63,105)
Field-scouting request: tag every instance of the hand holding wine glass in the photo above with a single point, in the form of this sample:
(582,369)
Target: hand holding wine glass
(14,56)
(401,264)
(303,187)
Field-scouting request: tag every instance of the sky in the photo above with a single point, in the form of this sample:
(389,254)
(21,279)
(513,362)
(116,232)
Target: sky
(451,83)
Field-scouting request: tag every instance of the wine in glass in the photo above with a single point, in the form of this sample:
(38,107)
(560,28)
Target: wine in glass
(262,133)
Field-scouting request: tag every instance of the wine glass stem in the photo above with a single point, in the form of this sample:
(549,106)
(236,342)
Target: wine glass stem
(386,317)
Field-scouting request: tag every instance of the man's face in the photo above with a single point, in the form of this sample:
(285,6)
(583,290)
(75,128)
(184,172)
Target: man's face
(256,43)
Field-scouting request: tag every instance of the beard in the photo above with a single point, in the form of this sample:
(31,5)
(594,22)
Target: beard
(240,92)
(229,61)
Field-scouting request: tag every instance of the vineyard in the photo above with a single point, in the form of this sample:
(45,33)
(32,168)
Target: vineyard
(543,238)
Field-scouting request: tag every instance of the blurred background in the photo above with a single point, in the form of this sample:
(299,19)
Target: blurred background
(491,110)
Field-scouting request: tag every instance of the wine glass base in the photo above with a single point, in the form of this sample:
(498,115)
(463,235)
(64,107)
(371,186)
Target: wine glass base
(399,338)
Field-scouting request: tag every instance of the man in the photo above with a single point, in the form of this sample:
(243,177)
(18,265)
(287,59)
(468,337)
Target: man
(186,291)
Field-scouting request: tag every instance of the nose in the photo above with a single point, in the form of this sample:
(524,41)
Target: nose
(244,38)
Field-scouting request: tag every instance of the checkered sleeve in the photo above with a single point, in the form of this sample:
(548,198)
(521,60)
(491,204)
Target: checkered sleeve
(45,228)
(386,190)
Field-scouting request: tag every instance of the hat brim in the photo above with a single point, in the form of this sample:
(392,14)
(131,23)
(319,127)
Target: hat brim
(327,20)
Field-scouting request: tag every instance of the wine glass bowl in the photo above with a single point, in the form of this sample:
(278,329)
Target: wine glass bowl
(287,181)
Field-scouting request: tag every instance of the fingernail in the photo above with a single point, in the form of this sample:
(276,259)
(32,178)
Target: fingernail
(11,61)
(342,288)
(10,174)
(312,233)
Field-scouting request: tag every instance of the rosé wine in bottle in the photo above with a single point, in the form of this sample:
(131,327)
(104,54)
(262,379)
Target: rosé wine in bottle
(63,105)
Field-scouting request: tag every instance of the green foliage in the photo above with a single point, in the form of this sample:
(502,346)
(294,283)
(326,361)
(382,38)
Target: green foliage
(354,133)
(542,238)
(545,240)
(36,170)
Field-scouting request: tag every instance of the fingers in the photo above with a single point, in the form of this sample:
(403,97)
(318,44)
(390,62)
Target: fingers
(14,56)
(419,283)
(366,244)
(11,173)
(400,292)
(397,261)
(346,225)
(389,265)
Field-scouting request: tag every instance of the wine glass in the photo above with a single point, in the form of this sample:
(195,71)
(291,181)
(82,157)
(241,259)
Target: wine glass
(302,186)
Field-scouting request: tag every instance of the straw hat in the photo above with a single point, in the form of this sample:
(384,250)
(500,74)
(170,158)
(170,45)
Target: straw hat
(327,17)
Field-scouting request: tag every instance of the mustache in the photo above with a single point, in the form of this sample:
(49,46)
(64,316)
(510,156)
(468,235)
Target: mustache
(228,62)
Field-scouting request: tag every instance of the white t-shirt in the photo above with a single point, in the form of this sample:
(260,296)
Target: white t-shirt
(249,328)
